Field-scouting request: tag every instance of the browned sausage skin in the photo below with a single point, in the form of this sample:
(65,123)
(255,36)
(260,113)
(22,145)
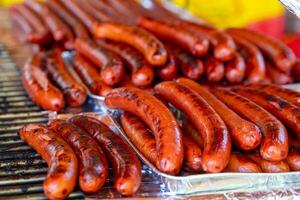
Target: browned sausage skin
(214,69)
(93,167)
(159,119)
(235,69)
(63,165)
(293,159)
(126,166)
(242,163)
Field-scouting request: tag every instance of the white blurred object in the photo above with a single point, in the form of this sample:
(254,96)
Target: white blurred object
(293,6)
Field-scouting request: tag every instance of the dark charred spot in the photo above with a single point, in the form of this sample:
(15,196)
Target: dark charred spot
(283,104)
(270,98)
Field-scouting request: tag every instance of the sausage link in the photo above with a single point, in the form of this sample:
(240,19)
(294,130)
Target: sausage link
(277,51)
(192,154)
(255,64)
(163,13)
(142,74)
(93,167)
(293,159)
(191,42)
(286,112)
(170,70)
(270,166)
(296,71)
(112,67)
(277,76)
(191,131)
(38,86)
(139,135)
(274,144)
(60,10)
(75,94)
(244,134)
(90,76)
(217,142)
(106,7)
(61,178)
(235,69)
(242,163)
(214,69)
(160,120)
(152,49)
(126,165)
(223,44)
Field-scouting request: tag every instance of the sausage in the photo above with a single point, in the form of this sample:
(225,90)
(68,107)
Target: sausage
(190,66)
(244,134)
(191,42)
(255,64)
(217,142)
(277,51)
(142,74)
(296,71)
(170,70)
(41,34)
(104,6)
(223,45)
(38,86)
(61,178)
(289,95)
(235,69)
(286,112)
(60,10)
(139,135)
(242,163)
(90,76)
(163,13)
(277,76)
(112,67)
(75,7)
(274,144)
(159,119)
(214,69)
(191,131)
(192,154)
(293,159)
(75,94)
(93,167)
(126,166)
(270,166)
(152,49)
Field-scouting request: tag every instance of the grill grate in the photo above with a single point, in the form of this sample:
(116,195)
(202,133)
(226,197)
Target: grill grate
(22,170)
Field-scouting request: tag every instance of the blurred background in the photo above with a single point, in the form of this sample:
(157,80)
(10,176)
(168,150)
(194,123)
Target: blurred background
(266,16)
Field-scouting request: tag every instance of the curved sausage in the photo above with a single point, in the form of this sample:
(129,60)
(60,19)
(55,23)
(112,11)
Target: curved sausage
(277,51)
(293,159)
(170,70)
(214,69)
(223,45)
(90,76)
(255,64)
(277,76)
(126,165)
(235,69)
(96,13)
(192,154)
(191,42)
(93,167)
(191,131)
(270,166)
(75,94)
(286,112)
(39,87)
(142,74)
(242,163)
(112,67)
(217,142)
(274,144)
(244,134)
(152,49)
(62,162)
(159,119)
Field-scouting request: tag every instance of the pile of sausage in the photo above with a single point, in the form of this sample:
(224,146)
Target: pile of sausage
(80,148)
(250,128)
(129,45)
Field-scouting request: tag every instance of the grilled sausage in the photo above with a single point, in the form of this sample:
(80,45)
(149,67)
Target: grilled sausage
(159,119)
(217,143)
(192,154)
(242,163)
(191,131)
(296,71)
(235,69)
(38,86)
(214,69)
(274,144)
(152,49)
(93,167)
(75,94)
(96,13)
(277,76)
(293,159)
(142,74)
(62,162)
(126,166)
(191,42)
(244,134)
(170,70)
(278,52)
(90,76)
(112,67)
